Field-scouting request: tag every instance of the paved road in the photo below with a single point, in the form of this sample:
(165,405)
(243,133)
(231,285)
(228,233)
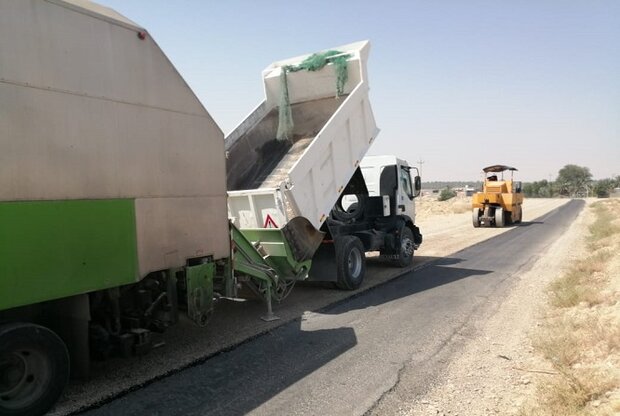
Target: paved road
(342,360)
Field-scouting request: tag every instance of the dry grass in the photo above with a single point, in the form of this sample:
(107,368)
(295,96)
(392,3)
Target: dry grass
(582,282)
(604,225)
(580,337)
(572,391)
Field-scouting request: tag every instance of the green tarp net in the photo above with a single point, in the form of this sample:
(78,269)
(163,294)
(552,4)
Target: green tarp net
(314,62)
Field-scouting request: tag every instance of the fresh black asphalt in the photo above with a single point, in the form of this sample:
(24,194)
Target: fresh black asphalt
(343,359)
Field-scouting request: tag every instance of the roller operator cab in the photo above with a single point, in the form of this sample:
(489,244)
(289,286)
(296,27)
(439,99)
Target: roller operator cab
(375,212)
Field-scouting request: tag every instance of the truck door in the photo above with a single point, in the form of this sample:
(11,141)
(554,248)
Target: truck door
(405,192)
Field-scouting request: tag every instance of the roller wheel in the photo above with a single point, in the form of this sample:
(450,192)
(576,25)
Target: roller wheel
(499,217)
(405,255)
(475,217)
(350,262)
(34,369)
(519,215)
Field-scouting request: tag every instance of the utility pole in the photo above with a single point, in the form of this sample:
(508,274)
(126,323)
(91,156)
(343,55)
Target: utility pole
(420,163)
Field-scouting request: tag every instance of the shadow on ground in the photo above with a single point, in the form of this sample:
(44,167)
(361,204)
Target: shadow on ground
(257,371)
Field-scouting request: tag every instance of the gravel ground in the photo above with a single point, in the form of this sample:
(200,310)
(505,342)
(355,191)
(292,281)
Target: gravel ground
(235,322)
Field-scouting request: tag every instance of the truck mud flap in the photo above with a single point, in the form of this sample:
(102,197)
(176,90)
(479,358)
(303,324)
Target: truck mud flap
(323,267)
(417,236)
(302,238)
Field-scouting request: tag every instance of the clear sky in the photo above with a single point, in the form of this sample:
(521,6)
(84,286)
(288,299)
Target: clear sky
(457,84)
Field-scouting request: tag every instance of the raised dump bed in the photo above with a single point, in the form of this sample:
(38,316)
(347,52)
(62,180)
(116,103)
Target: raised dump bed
(273,181)
(271,159)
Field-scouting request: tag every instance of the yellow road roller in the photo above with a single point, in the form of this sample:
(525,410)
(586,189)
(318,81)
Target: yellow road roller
(500,202)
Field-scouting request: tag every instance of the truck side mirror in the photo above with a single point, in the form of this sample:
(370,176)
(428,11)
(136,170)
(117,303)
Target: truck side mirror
(518,187)
(417,185)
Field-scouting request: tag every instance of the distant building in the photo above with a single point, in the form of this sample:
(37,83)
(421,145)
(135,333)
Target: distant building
(465,191)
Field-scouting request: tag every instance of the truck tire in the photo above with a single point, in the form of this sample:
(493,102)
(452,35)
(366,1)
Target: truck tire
(353,212)
(475,217)
(350,262)
(34,369)
(405,254)
(499,217)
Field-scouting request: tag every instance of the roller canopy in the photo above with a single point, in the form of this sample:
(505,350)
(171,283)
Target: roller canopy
(498,168)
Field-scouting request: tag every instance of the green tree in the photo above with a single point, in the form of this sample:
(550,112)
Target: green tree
(539,189)
(528,189)
(446,194)
(602,188)
(574,180)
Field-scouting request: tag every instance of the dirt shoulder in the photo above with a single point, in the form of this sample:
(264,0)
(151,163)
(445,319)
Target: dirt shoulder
(497,370)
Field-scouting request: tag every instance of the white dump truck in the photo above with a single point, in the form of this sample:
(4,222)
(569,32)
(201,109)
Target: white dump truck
(298,183)
(114,202)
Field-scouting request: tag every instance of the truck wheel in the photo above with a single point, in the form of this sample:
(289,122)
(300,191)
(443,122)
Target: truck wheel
(499,217)
(519,215)
(350,262)
(34,369)
(405,255)
(475,217)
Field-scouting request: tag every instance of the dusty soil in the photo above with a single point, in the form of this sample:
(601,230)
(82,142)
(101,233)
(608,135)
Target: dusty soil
(498,368)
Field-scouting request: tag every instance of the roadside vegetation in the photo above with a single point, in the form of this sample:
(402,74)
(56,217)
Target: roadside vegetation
(580,335)
(446,194)
(572,181)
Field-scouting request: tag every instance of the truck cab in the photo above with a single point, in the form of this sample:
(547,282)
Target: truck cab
(375,212)
(380,174)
